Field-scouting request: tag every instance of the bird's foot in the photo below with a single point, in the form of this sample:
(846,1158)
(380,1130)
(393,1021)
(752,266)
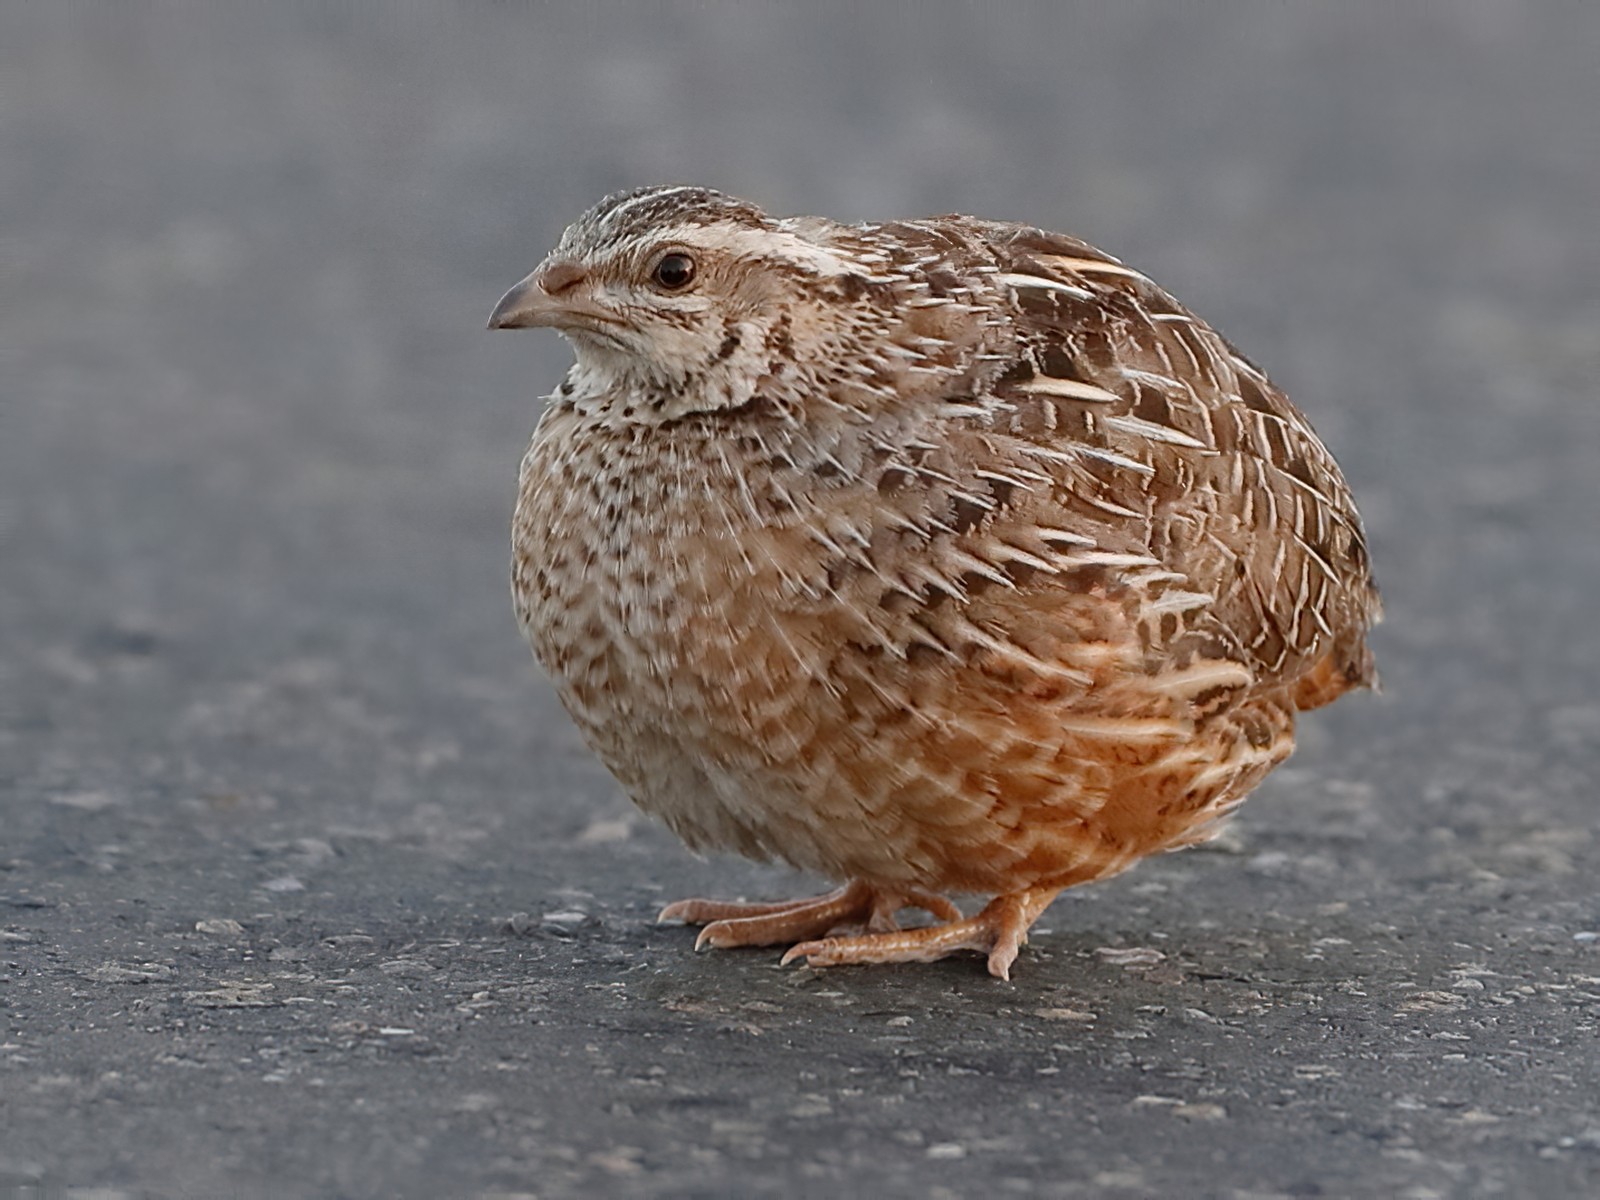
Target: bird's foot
(859,903)
(999,931)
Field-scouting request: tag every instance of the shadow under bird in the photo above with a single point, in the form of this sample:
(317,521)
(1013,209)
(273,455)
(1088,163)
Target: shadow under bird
(934,556)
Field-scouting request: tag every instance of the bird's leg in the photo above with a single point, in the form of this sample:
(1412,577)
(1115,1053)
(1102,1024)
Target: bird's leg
(998,931)
(859,902)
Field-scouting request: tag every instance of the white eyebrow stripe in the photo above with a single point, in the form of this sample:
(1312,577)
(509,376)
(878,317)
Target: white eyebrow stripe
(742,241)
(611,216)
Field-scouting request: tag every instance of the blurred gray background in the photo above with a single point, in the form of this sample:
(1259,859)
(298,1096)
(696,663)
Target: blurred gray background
(306,885)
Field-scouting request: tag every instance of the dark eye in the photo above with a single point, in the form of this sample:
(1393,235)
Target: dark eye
(674,271)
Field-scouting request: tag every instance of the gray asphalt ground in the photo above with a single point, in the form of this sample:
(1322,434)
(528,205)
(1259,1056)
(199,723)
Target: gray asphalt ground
(308,888)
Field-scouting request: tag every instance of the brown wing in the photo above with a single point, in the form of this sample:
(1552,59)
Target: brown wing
(1231,486)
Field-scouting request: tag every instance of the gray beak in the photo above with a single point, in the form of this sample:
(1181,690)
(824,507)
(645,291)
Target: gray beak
(523,307)
(542,299)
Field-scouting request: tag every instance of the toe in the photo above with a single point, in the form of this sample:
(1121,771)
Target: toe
(678,910)
(1001,958)
(731,933)
(932,902)
(715,934)
(805,950)
(699,912)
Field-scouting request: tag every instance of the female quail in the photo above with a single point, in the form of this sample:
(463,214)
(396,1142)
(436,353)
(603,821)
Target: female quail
(933,556)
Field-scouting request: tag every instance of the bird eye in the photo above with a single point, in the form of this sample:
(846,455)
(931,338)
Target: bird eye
(673,272)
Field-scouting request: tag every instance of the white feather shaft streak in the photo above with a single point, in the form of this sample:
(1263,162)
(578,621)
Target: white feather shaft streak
(1004,651)
(1180,601)
(1087,266)
(1203,676)
(1107,558)
(1116,460)
(1139,427)
(1017,478)
(1006,552)
(1123,729)
(1071,389)
(1051,534)
(1015,279)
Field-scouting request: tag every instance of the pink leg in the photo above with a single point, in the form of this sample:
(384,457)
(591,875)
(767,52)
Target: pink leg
(998,931)
(858,902)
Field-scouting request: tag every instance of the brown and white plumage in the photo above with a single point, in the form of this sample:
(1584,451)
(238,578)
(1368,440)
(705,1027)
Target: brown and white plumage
(939,555)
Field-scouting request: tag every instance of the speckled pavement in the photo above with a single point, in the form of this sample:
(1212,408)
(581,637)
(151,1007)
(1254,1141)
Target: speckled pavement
(308,888)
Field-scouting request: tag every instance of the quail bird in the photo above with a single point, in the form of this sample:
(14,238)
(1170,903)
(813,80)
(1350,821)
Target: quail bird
(933,556)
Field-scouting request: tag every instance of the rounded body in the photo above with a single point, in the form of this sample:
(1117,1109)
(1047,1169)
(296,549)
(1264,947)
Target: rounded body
(1029,583)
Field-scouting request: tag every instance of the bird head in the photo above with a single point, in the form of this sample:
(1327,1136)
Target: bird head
(701,299)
